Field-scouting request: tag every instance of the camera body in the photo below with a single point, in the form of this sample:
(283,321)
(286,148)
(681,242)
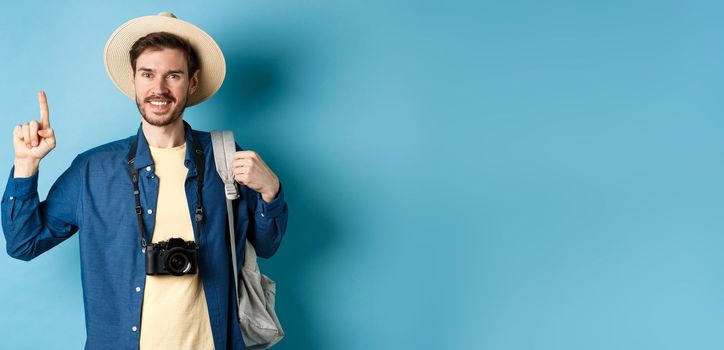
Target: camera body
(173,257)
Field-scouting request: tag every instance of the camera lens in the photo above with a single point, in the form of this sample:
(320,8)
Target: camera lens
(177,262)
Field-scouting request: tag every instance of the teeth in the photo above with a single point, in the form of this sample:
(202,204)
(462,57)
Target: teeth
(158,103)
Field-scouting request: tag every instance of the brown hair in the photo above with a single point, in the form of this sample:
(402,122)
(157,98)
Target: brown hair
(164,40)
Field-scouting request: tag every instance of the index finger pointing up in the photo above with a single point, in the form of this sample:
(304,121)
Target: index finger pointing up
(44,114)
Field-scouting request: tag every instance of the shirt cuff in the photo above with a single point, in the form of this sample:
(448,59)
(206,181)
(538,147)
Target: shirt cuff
(273,208)
(21,186)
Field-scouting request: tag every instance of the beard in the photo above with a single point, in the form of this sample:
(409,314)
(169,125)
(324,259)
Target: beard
(165,118)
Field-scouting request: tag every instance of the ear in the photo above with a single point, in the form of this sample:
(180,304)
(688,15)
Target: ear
(194,82)
(130,74)
(133,79)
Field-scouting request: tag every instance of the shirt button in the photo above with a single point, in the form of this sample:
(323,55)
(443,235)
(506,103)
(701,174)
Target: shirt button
(149,211)
(138,289)
(12,198)
(148,168)
(134,328)
(262,214)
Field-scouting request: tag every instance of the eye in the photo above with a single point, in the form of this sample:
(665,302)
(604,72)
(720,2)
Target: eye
(146,74)
(174,76)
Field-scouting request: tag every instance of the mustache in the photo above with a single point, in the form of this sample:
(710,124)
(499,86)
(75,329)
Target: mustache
(163,96)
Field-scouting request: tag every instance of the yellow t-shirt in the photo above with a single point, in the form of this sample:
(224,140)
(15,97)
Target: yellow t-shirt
(174,315)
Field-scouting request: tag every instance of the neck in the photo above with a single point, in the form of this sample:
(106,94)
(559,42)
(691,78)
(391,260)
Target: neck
(168,136)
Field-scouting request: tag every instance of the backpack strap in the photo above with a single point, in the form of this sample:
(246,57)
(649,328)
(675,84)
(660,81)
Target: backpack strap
(224,149)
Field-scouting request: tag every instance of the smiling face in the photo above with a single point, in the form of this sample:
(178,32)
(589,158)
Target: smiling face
(162,84)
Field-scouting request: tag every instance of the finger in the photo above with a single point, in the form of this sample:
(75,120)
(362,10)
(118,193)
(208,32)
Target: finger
(34,133)
(26,135)
(18,132)
(245,154)
(240,170)
(243,170)
(44,113)
(241,178)
(241,162)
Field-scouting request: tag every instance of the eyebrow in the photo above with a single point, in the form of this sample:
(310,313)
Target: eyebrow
(177,71)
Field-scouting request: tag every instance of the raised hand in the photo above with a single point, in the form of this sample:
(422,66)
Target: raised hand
(33,140)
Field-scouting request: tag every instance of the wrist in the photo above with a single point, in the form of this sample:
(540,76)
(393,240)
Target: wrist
(269,196)
(26,167)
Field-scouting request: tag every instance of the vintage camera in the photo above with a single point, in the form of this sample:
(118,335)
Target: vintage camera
(175,257)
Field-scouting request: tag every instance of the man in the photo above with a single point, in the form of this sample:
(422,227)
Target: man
(132,298)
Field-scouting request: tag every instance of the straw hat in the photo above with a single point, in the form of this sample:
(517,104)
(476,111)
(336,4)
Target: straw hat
(211,59)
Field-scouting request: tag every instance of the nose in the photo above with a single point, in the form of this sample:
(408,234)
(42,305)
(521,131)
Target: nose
(160,87)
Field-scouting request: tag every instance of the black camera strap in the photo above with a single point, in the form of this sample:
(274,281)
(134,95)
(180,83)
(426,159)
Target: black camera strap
(198,159)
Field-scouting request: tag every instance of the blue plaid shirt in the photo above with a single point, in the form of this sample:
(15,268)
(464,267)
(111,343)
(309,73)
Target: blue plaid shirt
(94,197)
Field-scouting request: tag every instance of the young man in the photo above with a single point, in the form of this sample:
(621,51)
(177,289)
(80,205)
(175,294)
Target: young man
(150,209)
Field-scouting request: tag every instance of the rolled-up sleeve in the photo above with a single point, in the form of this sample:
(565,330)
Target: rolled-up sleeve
(32,227)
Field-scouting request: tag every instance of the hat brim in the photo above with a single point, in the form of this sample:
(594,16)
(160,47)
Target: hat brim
(211,60)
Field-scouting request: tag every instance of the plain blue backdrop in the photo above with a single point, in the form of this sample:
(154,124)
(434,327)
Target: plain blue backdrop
(460,175)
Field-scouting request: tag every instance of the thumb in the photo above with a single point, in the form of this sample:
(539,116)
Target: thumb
(45,132)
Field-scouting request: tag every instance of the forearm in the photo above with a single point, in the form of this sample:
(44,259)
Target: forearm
(268,233)
(268,223)
(22,226)
(21,221)
(32,227)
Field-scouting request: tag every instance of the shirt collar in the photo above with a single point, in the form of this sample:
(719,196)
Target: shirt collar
(143,153)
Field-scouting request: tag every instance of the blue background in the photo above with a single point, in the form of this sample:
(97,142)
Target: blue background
(460,175)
